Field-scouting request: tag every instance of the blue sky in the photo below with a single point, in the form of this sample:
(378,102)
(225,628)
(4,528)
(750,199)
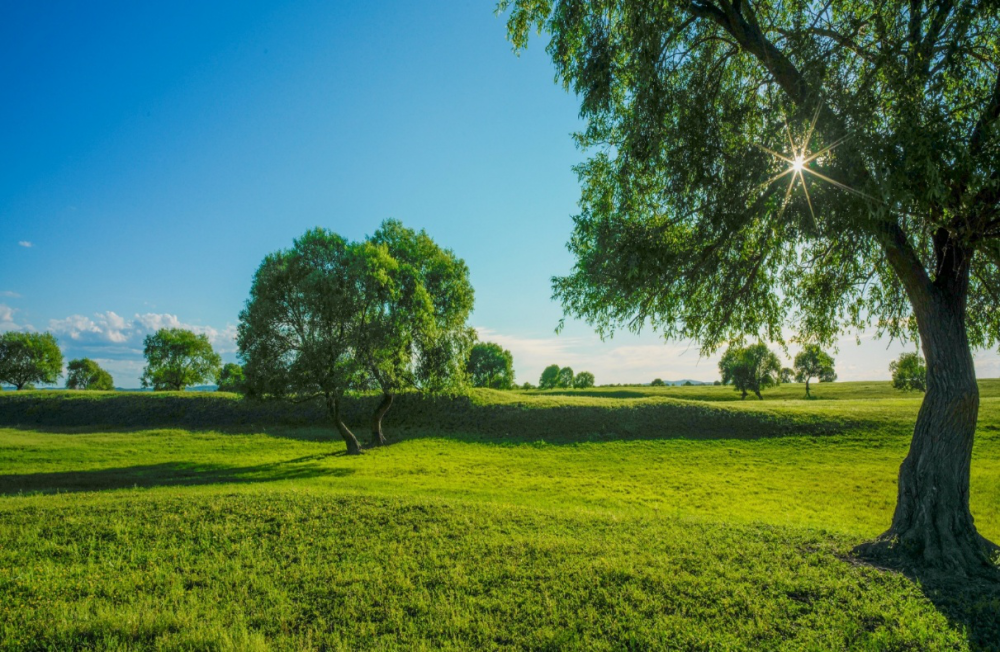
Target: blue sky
(153,153)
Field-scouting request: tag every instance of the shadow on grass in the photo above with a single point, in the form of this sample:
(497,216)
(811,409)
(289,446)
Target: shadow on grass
(970,604)
(169,474)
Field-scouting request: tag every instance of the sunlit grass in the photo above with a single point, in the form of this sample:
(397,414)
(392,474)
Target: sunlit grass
(269,538)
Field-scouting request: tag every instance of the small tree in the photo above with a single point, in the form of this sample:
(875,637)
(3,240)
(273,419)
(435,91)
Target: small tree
(750,369)
(177,358)
(29,358)
(230,378)
(84,373)
(787,375)
(583,380)
(657,382)
(527,385)
(295,335)
(490,365)
(813,362)
(565,379)
(909,372)
(549,378)
(417,300)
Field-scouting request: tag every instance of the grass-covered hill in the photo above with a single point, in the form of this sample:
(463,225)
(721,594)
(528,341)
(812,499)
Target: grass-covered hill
(620,518)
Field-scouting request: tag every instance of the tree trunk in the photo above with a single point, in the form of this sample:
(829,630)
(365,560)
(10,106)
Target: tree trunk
(932,524)
(378,439)
(333,406)
(807,388)
(743,397)
(757,393)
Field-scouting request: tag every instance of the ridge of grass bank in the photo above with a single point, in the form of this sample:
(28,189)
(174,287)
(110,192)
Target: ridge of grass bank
(488,413)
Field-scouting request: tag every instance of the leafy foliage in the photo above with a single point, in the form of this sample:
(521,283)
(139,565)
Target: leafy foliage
(750,369)
(657,382)
(549,378)
(813,362)
(565,378)
(681,226)
(583,380)
(177,358)
(415,331)
(490,365)
(84,373)
(909,373)
(29,358)
(230,378)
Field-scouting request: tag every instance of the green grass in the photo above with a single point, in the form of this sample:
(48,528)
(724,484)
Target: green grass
(610,523)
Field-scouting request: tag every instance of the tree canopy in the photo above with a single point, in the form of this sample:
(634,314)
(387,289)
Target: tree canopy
(750,369)
(84,373)
(909,373)
(230,378)
(491,365)
(177,358)
(813,362)
(808,167)
(29,358)
(583,380)
(549,378)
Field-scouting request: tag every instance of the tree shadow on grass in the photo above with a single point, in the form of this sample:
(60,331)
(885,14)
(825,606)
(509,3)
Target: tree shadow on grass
(970,604)
(168,474)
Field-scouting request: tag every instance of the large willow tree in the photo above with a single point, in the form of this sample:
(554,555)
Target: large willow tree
(824,165)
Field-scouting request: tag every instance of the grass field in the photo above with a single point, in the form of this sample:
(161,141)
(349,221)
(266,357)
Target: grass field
(618,518)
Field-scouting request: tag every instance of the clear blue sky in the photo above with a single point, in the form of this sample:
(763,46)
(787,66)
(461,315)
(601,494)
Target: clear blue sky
(152,153)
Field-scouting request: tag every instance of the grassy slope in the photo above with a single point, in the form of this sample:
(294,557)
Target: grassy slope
(570,537)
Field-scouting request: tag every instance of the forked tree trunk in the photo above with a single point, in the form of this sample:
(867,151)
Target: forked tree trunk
(333,407)
(932,524)
(378,439)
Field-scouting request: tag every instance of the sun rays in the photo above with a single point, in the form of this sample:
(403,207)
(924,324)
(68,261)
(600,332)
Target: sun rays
(798,159)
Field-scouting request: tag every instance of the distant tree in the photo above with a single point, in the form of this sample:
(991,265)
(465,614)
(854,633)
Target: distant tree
(688,383)
(490,365)
(583,380)
(84,373)
(295,336)
(787,375)
(549,378)
(230,378)
(750,369)
(813,362)
(565,380)
(909,372)
(177,358)
(414,328)
(527,385)
(717,383)
(657,382)
(29,358)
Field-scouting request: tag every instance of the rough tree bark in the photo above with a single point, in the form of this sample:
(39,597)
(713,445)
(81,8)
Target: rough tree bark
(333,407)
(378,439)
(932,524)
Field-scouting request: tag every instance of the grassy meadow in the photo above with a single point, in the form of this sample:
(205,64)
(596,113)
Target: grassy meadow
(613,518)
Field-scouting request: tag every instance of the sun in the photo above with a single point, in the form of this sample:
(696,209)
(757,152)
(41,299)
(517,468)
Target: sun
(798,163)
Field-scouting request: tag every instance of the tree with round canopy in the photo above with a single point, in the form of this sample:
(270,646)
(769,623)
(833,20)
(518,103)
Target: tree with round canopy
(29,358)
(491,365)
(758,166)
(84,373)
(813,362)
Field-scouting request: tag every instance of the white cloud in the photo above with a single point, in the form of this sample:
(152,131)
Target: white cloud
(10,295)
(111,328)
(26,244)
(7,321)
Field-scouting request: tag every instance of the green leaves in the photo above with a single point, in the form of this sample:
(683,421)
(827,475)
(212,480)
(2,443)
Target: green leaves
(490,365)
(682,225)
(84,373)
(29,358)
(750,369)
(177,358)
(330,315)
